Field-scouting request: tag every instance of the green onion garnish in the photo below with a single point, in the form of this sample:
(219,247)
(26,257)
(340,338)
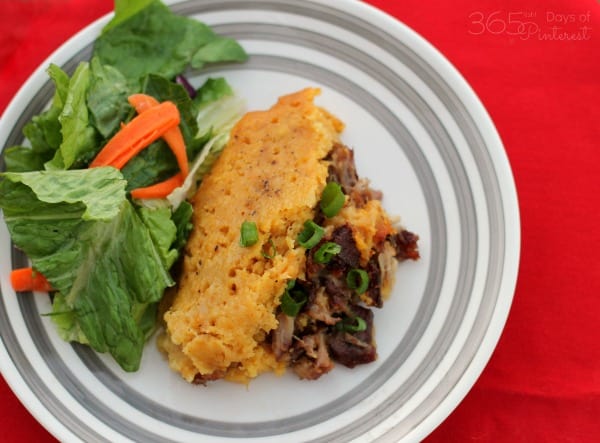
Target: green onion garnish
(292,299)
(356,324)
(332,199)
(357,279)
(248,234)
(310,235)
(327,251)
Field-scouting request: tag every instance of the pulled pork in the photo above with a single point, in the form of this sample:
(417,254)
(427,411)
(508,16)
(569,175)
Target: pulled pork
(336,323)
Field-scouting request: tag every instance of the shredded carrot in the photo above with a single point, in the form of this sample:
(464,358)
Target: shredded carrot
(27,279)
(136,135)
(159,190)
(142,102)
(173,137)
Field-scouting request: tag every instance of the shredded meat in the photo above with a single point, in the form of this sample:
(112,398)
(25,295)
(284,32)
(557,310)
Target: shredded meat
(405,243)
(351,349)
(283,335)
(319,309)
(386,260)
(340,297)
(202,379)
(373,294)
(313,360)
(343,171)
(327,329)
(349,256)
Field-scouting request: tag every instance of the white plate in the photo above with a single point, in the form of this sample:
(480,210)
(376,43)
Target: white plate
(422,136)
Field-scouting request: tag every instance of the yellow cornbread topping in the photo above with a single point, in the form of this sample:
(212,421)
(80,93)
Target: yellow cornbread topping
(271,172)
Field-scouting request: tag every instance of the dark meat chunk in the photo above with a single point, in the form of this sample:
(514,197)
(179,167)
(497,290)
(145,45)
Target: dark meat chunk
(405,244)
(372,296)
(202,379)
(354,348)
(349,256)
(340,296)
(332,275)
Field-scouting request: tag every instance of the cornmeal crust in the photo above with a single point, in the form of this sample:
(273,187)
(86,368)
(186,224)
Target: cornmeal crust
(272,172)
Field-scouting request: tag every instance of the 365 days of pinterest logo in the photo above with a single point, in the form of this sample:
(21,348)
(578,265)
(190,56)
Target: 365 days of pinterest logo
(527,25)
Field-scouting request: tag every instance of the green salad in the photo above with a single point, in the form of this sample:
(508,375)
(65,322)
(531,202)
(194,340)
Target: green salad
(106,255)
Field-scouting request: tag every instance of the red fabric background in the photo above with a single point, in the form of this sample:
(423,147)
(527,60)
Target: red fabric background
(543,92)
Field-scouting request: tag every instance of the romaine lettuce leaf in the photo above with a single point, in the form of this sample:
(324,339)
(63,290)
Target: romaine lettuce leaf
(79,141)
(182,217)
(107,98)
(147,38)
(125,9)
(61,85)
(155,163)
(163,232)
(217,50)
(23,158)
(99,191)
(211,90)
(43,131)
(65,320)
(108,262)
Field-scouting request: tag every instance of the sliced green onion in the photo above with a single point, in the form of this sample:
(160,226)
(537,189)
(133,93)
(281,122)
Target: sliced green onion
(326,252)
(248,234)
(348,324)
(357,279)
(290,284)
(269,252)
(310,235)
(292,299)
(332,199)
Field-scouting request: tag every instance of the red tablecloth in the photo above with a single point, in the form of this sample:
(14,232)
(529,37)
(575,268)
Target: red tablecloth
(542,89)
